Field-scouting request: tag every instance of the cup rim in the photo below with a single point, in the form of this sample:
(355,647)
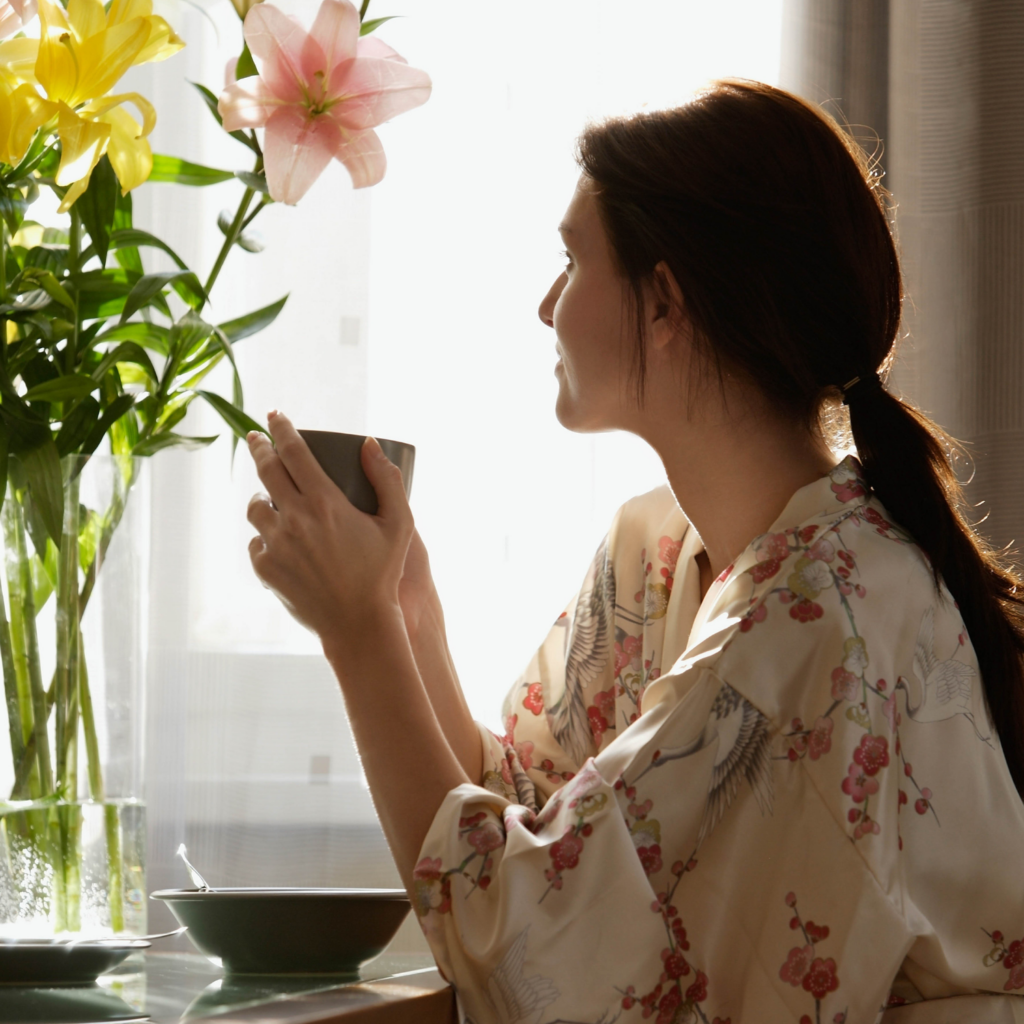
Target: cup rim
(346,433)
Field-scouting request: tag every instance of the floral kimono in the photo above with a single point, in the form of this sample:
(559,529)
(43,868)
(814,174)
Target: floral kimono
(785,802)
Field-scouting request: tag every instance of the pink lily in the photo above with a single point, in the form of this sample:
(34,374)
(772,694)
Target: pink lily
(319,95)
(14,15)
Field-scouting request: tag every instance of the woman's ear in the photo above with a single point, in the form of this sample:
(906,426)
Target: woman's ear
(667,319)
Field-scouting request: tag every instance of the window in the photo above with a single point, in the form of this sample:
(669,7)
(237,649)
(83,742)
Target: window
(412,315)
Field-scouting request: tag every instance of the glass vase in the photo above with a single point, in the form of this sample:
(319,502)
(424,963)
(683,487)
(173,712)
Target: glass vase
(72,653)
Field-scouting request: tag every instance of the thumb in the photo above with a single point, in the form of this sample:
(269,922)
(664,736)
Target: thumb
(386,479)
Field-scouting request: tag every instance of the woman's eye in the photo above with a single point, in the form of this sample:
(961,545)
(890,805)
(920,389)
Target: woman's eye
(566,260)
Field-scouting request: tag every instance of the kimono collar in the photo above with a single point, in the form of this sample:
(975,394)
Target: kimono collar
(816,505)
(827,498)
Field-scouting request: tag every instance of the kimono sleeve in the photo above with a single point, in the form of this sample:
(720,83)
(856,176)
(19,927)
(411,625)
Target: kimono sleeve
(673,876)
(548,712)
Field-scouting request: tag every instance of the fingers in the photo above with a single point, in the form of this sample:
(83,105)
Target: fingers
(270,469)
(386,477)
(261,513)
(295,455)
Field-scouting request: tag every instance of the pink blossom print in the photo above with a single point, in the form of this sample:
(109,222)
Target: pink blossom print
(534,699)
(803,966)
(846,484)
(1010,957)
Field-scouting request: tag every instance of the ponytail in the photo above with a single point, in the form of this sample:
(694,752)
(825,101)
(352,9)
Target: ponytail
(775,227)
(907,461)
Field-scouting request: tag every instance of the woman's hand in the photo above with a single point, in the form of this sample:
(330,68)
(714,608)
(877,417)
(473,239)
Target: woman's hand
(334,568)
(416,591)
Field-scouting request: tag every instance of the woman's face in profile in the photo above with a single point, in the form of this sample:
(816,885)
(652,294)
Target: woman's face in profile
(586,307)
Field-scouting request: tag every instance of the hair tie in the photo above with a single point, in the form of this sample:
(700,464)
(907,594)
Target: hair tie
(864,385)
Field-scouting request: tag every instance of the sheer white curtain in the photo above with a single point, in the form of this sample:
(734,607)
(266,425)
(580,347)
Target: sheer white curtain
(412,315)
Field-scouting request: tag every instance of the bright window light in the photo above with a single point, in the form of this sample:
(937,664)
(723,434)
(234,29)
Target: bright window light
(413,305)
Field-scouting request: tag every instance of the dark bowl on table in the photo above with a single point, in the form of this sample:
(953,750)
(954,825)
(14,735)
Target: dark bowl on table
(289,931)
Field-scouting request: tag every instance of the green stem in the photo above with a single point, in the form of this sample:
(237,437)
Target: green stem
(67,627)
(3,290)
(92,747)
(363,10)
(74,251)
(113,519)
(111,816)
(115,882)
(28,760)
(255,213)
(15,726)
(23,620)
(231,237)
(55,846)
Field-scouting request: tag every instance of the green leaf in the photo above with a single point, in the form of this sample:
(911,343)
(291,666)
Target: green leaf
(37,298)
(126,352)
(248,242)
(12,207)
(61,389)
(50,285)
(44,575)
(174,411)
(235,418)
(3,462)
(183,172)
(373,24)
(151,336)
(136,236)
(257,182)
(117,408)
(252,323)
(77,425)
(37,156)
(170,440)
(246,66)
(151,285)
(96,206)
(38,370)
(127,257)
(189,290)
(211,104)
(102,293)
(188,335)
(42,467)
(89,537)
(47,257)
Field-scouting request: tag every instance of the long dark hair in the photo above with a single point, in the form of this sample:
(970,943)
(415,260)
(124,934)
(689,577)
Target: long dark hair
(775,226)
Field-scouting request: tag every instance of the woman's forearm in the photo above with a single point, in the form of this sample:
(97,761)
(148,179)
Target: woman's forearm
(437,670)
(409,763)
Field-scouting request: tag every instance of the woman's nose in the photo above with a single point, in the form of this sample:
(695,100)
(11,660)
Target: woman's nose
(546,311)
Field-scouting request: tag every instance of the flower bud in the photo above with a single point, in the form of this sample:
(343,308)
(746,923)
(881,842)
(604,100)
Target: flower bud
(243,7)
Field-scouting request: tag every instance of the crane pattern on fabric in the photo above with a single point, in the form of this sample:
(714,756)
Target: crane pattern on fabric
(588,647)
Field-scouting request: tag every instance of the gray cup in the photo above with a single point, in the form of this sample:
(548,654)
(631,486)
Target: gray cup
(339,457)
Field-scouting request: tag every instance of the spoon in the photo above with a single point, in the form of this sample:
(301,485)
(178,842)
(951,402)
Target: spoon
(128,938)
(113,939)
(197,879)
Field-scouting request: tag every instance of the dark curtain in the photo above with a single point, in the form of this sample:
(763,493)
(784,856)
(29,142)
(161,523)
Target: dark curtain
(941,83)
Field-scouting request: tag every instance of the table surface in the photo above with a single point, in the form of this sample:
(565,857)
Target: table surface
(165,988)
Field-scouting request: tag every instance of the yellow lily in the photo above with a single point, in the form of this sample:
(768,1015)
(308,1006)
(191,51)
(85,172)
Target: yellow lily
(162,40)
(22,112)
(83,52)
(18,58)
(104,127)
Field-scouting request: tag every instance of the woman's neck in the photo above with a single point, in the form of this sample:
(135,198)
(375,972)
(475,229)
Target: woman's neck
(732,479)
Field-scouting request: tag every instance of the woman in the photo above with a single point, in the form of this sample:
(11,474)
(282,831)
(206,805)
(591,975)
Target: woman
(764,768)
